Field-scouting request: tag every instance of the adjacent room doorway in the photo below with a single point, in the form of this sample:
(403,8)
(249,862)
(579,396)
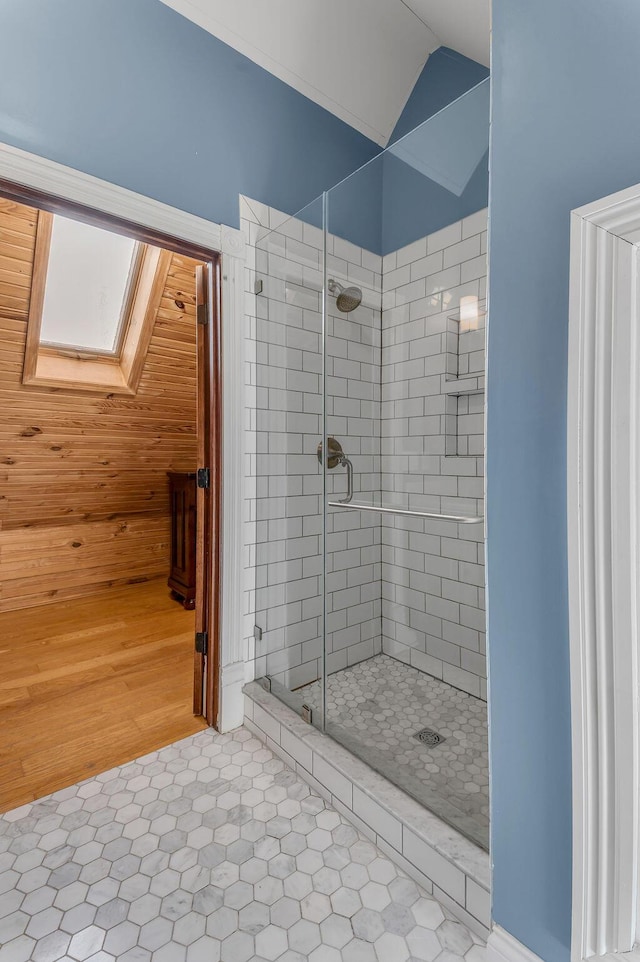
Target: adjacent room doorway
(66,648)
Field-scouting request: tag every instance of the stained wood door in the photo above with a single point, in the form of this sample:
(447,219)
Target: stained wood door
(206,657)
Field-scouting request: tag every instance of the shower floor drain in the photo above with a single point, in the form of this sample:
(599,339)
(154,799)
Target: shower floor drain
(428,737)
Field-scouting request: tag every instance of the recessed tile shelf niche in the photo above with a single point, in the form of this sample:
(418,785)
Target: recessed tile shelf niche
(463,388)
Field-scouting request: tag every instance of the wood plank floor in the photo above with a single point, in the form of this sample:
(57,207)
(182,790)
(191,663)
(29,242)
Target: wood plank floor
(89,684)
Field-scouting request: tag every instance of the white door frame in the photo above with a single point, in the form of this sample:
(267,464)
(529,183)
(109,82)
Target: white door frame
(30,170)
(603,487)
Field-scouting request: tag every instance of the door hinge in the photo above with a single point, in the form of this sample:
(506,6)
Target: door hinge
(202,314)
(203,478)
(202,642)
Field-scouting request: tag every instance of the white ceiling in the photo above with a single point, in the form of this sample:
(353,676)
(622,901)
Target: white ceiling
(463,25)
(357,58)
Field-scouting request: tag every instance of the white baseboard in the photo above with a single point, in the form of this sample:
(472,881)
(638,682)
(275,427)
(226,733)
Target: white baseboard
(502,947)
(232,701)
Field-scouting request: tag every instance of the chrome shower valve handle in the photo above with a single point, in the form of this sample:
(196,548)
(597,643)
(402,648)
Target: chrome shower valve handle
(336,456)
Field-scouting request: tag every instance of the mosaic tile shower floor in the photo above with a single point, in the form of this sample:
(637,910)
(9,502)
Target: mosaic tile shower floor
(375,708)
(211,850)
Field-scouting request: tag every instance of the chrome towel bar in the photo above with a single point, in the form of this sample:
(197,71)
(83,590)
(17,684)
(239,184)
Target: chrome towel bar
(430,515)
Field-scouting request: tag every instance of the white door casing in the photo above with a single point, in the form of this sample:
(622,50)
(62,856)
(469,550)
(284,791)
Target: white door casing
(603,475)
(20,167)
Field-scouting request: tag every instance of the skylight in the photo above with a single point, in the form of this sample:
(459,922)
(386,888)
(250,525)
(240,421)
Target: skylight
(93,305)
(87,283)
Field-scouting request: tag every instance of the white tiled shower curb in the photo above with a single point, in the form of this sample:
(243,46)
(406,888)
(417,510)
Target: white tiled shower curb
(437,857)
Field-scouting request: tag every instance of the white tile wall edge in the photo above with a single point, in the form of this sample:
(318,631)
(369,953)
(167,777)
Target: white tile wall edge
(503,947)
(27,169)
(437,857)
(233,646)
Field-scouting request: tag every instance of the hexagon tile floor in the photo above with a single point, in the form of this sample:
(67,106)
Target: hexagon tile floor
(376,707)
(211,850)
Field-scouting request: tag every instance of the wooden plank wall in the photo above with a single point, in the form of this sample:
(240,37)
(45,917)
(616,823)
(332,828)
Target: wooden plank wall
(84,498)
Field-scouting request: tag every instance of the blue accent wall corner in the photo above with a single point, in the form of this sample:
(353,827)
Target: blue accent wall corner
(563,133)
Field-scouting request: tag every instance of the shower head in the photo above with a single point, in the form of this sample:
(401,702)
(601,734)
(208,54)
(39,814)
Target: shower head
(347,298)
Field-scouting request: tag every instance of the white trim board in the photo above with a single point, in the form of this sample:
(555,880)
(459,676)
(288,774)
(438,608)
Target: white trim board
(30,170)
(603,474)
(502,947)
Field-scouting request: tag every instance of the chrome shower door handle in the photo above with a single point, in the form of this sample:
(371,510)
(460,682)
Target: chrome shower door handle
(348,465)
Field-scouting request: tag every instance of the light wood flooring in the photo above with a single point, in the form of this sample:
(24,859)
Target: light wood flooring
(89,684)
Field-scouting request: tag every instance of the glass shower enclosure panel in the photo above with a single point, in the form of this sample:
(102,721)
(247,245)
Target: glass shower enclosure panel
(404,595)
(352,354)
(286,375)
(369,372)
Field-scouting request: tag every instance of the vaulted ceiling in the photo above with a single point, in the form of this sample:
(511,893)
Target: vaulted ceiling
(357,58)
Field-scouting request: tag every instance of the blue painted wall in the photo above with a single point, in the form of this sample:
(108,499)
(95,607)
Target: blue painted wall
(414,205)
(133,93)
(563,133)
(388,203)
(445,77)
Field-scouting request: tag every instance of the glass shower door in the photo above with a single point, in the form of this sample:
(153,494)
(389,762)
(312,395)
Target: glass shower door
(351,467)
(286,378)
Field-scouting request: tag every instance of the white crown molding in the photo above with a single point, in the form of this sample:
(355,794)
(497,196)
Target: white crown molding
(503,947)
(26,169)
(603,474)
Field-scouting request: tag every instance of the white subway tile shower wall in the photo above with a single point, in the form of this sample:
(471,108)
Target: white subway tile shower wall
(284,424)
(420,596)
(433,613)
(354,556)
